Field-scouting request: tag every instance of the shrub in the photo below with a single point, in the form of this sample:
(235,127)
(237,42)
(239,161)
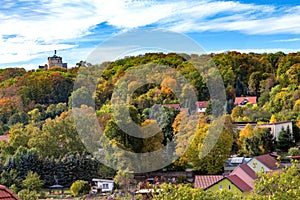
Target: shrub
(26,194)
(32,182)
(80,187)
(294,151)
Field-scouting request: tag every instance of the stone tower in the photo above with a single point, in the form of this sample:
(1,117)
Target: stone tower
(56,61)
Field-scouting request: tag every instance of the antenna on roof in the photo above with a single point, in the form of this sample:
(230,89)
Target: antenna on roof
(54,52)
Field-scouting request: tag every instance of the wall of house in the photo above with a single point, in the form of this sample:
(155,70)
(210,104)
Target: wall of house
(257,166)
(202,110)
(110,187)
(226,185)
(278,127)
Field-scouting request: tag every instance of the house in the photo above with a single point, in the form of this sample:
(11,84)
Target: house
(231,183)
(206,180)
(4,137)
(265,162)
(242,101)
(176,106)
(241,179)
(246,174)
(201,106)
(102,185)
(6,194)
(185,110)
(219,182)
(275,127)
(234,162)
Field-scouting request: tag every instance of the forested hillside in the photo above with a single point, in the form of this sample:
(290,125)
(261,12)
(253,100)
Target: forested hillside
(35,113)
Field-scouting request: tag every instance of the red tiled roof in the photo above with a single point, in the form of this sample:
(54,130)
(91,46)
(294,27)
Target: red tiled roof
(244,187)
(186,110)
(3,137)
(248,170)
(201,104)
(282,122)
(296,157)
(268,161)
(6,194)
(239,100)
(206,180)
(176,106)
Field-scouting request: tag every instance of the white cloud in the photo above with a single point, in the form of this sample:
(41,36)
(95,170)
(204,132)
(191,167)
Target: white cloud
(288,40)
(19,49)
(41,26)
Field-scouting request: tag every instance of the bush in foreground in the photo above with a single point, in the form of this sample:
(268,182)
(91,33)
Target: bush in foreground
(80,187)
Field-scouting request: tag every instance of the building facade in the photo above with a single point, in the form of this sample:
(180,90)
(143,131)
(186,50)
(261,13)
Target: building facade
(54,61)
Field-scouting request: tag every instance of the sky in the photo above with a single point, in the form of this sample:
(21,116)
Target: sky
(30,30)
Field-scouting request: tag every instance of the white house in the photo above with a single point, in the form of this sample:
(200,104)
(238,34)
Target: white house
(275,127)
(102,185)
(266,162)
(201,106)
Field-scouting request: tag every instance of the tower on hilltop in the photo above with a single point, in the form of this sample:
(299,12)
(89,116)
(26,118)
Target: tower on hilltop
(54,61)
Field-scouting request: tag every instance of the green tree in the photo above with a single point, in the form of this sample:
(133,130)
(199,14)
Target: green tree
(59,136)
(80,187)
(20,117)
(123,179)
(285,140)
(186,192)
(278,185)
(26,194)
(9,178)
(202,140)
(294,151)
(254,83)
(32,182)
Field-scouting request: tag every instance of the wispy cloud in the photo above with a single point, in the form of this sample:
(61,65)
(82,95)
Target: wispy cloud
(30,28)
(288,40)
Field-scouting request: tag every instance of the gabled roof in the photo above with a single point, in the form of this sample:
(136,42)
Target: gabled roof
(248,170)
(103,180)
(3,137)
(6,194)
(201,104)
(268,161)
(206,180)
(175,106)
(186,110)
(244,187)
(239,100)
(235,180)
(296,157)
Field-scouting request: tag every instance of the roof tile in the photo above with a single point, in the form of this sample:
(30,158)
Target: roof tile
(248,170)
(244,187)
(206,180)
(268,161)
(239,100)
(6,194)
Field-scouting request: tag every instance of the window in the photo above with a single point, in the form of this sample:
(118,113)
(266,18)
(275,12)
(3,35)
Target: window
(104,186)
(229,187)
(220,187)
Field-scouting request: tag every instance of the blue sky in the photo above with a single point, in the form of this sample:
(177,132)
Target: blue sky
(30,31)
